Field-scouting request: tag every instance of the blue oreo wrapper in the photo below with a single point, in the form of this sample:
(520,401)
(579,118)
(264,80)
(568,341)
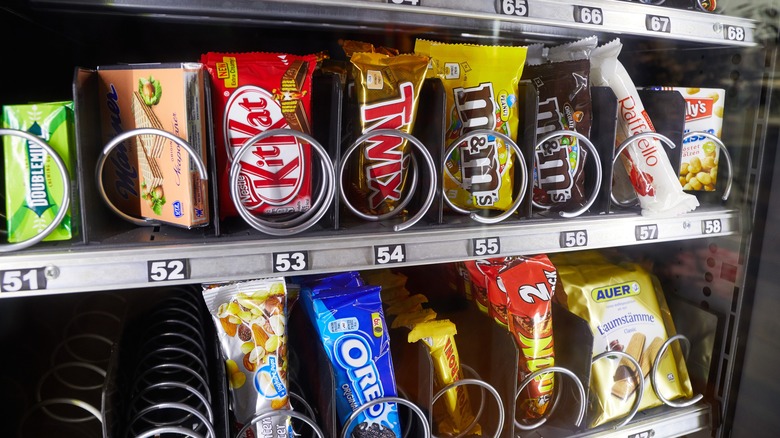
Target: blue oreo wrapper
(352,329)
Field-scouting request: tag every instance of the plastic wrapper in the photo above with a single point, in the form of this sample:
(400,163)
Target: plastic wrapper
(251,322)
(654,180)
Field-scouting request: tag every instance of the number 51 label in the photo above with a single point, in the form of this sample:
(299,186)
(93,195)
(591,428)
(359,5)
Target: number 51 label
(22,279)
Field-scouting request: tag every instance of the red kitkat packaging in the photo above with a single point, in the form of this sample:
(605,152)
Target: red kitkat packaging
(252,93)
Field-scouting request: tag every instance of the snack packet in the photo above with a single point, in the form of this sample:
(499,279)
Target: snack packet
(652,176)
(388,90)
(411,303)
(439,337)
(627,313)
(354,334)
(252,93)
(478,283)
(481,87)
(580,49)
(251,322)
(529,286)
(409,319)
(33,184)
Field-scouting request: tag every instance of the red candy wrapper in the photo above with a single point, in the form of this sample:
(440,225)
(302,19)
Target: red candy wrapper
(252,93)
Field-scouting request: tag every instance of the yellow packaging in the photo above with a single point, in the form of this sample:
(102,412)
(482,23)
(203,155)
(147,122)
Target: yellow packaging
(394,295)
(481,87)
(410,304)
(409,319)
(627,312)
(438,336)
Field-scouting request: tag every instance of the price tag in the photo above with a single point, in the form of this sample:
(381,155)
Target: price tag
(168,270)
(385,254)
(658,23)
(405,2)
(291,261)
(485,246)
(588,15)
(646,232)
(22,279)
(734,33)
(644,434)
(515,8)
(574,239)
(711,226)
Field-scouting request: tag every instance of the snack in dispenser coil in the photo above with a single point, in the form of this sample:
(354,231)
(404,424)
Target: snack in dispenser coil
(627,311)
(655,182)
(388,90)
(251,322)
(253,93)
(481,87)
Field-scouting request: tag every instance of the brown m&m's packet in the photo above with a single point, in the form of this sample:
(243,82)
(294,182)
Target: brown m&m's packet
(388,90)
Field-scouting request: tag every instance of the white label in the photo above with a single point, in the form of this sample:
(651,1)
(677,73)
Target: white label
(646,232)
(734,33)
(574,239)
(451,70)
(658,23)
(389,254)
(343,325)
(405,2)
(517,8)
(168,270)
(588,15)
(22,279)
(291,261)
(486,246)
(374,80)
(711,226)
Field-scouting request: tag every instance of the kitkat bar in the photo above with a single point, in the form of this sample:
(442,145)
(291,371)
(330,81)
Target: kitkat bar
(252,93)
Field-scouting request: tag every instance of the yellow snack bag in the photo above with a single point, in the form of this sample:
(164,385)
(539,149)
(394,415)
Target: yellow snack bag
(627,312)
(438,336)
(410,304)
(409,319)
(481,87)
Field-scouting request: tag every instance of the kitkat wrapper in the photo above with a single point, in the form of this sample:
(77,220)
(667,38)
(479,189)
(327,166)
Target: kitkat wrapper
(530,285)
(439,337)
(251,322)
(33,184)
(627,311)
(481,85)
(255,92)
(654,180)
(388,90)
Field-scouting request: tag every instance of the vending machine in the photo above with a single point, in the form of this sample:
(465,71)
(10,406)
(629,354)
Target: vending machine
(389,218)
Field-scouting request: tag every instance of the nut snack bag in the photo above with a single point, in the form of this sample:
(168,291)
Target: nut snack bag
(251,322)
(439,337)
(352,329)
(626,312)
(388,91)
(654,180)
(529,285)
(168,97)
(481,87)
(33,184)
(252,93)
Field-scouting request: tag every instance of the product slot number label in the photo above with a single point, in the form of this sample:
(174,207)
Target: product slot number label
(22,279)
(646,232)
(515,8)
(644,434)
(405,2)
(291,261)
(385,254)
(168,270)
(734,33)
(588,15)
(658,23)
(485,246)
(711,226)
(574,239)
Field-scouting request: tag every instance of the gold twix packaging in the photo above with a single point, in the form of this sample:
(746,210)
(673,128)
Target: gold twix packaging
(151,169)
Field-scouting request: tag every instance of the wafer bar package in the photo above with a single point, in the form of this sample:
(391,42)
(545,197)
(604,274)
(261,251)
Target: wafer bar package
(353,332)
(388,90)
(627,312)
(564,103)
(253,93)
(654,180)
(151,170)
(530,284)
(251,322)
(481,87)
(439,337)
(33,184)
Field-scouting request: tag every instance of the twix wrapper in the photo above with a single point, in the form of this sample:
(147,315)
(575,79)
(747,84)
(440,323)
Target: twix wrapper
(439,337)
(388,90)
(529,286)
(253,93)
(481,87)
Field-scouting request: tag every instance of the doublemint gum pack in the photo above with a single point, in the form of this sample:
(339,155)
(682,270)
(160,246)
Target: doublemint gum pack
(33,184)
(355,337)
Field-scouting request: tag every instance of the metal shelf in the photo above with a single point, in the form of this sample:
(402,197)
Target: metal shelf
(544,18)
(120,265)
